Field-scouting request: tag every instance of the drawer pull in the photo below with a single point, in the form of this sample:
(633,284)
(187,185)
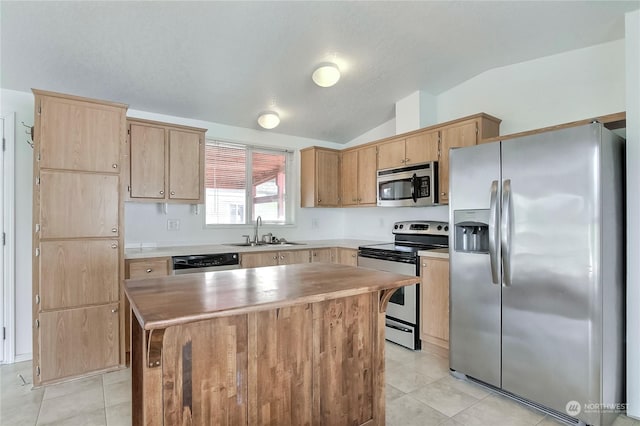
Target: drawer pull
(113,246)
(161,192)
(114,229)
(114,310)
(114,165)
(149,270)
(173,192)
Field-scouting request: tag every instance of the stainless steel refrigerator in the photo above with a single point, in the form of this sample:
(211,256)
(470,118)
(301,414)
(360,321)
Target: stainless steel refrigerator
(537,269)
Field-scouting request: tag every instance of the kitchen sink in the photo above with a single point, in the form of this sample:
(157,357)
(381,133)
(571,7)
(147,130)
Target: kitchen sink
(261,244)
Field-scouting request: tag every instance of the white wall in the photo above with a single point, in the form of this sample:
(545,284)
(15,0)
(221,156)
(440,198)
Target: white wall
(22,104)
(385,130)
(555,89)
(632,30)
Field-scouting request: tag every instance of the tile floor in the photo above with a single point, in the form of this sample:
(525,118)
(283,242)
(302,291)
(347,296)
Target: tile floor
(423,395)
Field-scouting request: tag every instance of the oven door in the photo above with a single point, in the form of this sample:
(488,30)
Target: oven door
(403,304)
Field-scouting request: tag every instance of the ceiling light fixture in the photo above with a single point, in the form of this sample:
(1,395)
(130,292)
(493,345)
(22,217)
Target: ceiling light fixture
(326,75)
(269,119)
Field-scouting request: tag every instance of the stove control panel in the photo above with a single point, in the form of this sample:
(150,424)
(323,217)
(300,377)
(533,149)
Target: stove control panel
(421,227)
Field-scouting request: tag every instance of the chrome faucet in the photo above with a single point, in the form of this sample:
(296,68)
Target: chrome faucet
(255,234)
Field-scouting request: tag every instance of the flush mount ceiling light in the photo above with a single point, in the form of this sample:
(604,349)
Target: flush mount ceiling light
(269,119)
(326,75)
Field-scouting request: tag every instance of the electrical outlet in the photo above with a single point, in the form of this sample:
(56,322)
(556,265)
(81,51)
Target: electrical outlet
(173,224)
(315,223)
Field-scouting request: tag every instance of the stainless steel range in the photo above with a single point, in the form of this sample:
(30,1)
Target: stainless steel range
(402,257)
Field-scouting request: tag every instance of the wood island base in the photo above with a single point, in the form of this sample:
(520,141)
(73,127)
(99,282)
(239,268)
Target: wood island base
(283,345)
(313,364)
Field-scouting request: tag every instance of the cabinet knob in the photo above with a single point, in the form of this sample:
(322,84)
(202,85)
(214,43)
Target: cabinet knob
(443,193)
(424,265)
(406,160)
(315,254)
(161,192)
(173,193)
(114,229)
(282,257)
(114,310)
(114,165)
(353,255)
(275,257)
(113,246)
(149,270)
(319,200)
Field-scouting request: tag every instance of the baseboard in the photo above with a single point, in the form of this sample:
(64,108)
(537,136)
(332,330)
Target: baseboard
(23,357)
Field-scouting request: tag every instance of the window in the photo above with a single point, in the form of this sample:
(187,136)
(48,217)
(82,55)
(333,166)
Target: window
(243,182)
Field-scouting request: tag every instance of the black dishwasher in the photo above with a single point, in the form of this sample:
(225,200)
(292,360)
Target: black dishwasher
(205,263)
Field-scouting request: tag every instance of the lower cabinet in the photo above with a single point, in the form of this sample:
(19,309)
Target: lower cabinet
(326,255)
(347,256)
(140,269)
(74,341)
(434,301)
(273,258)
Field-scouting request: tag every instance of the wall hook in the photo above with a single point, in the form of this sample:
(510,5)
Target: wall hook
(29,132)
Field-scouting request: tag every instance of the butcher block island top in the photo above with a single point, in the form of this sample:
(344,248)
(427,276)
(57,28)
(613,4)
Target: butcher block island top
(282,345)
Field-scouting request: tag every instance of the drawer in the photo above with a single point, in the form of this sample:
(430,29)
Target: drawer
(148,268)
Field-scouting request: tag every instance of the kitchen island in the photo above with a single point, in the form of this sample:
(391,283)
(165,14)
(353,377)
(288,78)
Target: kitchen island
(283,345)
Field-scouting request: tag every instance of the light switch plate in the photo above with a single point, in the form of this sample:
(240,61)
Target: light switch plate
(173,224)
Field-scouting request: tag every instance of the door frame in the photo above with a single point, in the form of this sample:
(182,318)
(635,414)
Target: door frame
(8,216)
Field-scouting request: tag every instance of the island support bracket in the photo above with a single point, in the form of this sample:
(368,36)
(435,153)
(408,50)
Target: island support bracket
(385,296)
(154,347)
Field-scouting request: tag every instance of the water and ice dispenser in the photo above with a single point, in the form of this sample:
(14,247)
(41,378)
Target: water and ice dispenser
(471,231)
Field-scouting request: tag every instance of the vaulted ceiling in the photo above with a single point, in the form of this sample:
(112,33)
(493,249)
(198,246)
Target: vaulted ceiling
(226,62)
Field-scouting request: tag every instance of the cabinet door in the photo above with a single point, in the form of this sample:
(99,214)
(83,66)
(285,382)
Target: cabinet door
(434,301)
(367,186)
(77,341)
(322,255)
(148,268)
(327,173)
(185,165)
(78,205)
(347,257)
(148,159)
(256,260)
(77,135)
(349,168)
(422,148)
(391,154)
(459,135)
(293,257)
(78,272)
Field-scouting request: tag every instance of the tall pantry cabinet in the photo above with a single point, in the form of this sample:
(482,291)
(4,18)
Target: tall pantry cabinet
(78,236)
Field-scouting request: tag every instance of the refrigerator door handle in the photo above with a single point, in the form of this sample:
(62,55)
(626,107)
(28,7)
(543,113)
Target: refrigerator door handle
(494,234)
(505,237)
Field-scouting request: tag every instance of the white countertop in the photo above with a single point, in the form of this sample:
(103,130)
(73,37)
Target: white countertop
(442,253)
(142,253)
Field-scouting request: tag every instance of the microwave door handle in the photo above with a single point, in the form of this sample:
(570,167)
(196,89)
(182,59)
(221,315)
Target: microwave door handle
(414,182)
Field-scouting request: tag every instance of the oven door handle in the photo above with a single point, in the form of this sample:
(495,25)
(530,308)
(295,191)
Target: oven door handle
(414,182)
(396,327)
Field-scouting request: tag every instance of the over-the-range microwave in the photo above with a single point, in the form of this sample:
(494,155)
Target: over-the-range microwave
(407,186)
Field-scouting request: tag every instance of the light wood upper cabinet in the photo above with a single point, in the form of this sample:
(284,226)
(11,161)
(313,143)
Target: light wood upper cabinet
(148,160)
(319,177)
(76,205)
(391,154)
(358,168)
(434,301)
(461,134)
(78,272)
(414,149)
(78,135)
(166,162)
(75,341)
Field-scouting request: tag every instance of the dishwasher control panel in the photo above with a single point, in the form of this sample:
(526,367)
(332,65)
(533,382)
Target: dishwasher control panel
(208,262)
